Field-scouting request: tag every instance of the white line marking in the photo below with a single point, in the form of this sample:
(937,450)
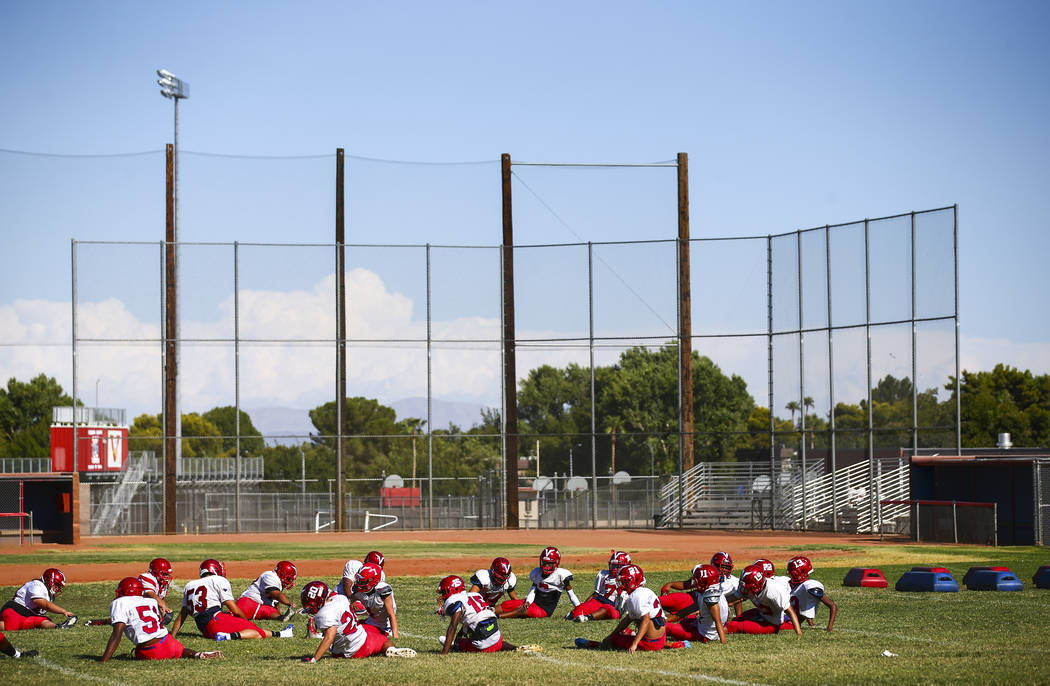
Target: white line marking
(681,675)
(47,664)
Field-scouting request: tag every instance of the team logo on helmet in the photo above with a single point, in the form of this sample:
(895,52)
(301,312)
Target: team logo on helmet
(367,578)
(752,580)
(618,560)
(449,586)
(550,558)
(313,596)
(799,568)
(129,586)
(766,566)
(54,580)
(161,569)
(630,578)
(723,563)
(286,572)
(375,558)
(211,566)
(704,577)
(500,570)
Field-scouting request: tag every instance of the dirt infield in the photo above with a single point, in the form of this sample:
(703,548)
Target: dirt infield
(662,548)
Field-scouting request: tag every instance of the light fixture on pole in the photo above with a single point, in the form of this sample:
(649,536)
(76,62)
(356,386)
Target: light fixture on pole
(175,89)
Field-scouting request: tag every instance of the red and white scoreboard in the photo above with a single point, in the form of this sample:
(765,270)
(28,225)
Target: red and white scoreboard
(101,448)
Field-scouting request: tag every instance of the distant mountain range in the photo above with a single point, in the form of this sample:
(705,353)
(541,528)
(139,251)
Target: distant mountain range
(291,426)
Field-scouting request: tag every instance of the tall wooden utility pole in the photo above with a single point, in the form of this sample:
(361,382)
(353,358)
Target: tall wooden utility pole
(171,410)
(685,320)
(510,384)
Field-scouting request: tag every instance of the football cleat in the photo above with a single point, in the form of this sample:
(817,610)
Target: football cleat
(394,651)
(222,636)
(582,618)
(209,654)
(529,648)
(286,632)
(69,623)
(28,653)
(586,643)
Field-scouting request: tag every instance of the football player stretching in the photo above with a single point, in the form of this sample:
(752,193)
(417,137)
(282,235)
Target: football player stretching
(808,594)
(772,611)
(642,608)
(549,581)
(33,600)
(472,625)
(352,567)
(710,607)
(493,582)
(341,635)
(260,599)
(138,617)
(377,598)
(603,601)
(210,602)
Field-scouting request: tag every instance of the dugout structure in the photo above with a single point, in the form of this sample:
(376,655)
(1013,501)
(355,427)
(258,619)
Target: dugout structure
(1017,485)
(49,501)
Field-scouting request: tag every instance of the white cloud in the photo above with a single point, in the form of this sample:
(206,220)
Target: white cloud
(35,337)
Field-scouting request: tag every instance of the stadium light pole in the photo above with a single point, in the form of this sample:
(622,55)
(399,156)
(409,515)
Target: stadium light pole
(175,89)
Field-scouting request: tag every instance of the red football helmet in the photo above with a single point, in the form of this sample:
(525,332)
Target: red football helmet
(54,579)
(367,578)
(766,566)
(313,596)
(499,571)
(450,586)
(630,578)
(129,585)
(550,558)
(723,563)
(799,568)
(752,580)
(286,572)
(704,577)
(211,566)
(375,558)
(161,568)
(618,560)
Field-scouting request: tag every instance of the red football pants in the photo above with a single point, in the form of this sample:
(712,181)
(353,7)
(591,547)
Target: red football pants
(253,610)
(534,611)
(593,605)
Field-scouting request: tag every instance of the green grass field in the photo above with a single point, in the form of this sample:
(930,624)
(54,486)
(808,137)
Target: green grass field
(939,638)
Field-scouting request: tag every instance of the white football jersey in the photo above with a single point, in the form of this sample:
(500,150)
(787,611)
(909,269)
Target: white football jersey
(547,590)
(772,602)
(482,629)
(201,595)
(730,587)
(259,590)
(806,597)
(152,584)
(350,635)
(643,602)
(373,602)
(29,591)
(705,620)
(140,616)
(492,593)
(605,585)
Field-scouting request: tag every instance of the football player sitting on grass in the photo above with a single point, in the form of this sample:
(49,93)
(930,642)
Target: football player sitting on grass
(352,567)
(772,611)
(375,597)
(603,601)
(480,630)
(548,582)
(642,608)
(340,633)
(139,618)
(808,594)
(709,605)
(29,608)
(210,601)
(260,599)
(493,582)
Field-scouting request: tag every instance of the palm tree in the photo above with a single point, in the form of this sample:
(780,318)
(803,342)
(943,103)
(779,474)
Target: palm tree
(793,408)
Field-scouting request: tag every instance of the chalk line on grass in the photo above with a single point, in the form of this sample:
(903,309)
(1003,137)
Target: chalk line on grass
(47,664)
(661,672)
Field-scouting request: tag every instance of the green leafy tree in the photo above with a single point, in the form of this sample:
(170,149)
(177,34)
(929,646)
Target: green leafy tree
(25,416)
(200,437)
(372,425)
(224,418)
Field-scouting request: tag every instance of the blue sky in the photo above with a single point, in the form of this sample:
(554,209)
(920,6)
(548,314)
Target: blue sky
(794,115)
